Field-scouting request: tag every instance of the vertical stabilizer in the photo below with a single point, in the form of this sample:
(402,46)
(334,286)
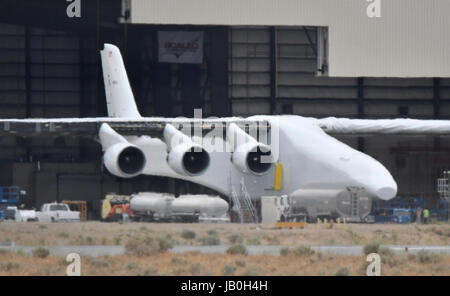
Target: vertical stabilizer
(119,96)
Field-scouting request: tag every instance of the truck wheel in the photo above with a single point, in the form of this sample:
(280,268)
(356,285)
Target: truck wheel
(52,219)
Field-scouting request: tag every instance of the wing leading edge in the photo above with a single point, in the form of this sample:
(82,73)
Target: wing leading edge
(359,127)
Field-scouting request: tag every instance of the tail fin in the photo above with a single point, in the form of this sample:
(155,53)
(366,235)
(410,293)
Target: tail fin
(119,96)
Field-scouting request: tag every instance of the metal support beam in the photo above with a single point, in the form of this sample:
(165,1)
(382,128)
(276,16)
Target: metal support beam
(436,98)
(27,71)
(361,113)
(273,70)
(360,86)
(311,43)
(218,71)
(436,109)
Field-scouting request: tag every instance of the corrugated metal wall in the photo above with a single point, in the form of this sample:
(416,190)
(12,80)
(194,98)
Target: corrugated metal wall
(45,73)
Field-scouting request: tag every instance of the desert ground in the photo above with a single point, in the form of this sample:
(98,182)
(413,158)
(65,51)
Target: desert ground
(148,249)
(100,233)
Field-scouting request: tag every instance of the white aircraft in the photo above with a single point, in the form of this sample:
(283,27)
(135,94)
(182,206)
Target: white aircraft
(310,158)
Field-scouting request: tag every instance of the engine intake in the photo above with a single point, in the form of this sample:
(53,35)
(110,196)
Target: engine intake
(131,160)
(124,160)
(184,156)
(252,158)
(255,161)
(188,159)
(249,155)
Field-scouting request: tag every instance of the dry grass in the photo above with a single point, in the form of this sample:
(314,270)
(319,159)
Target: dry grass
(98,233)
(214,264)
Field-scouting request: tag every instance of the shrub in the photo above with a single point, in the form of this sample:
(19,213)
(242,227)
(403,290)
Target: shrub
(141,248)
(252,271)
(426,257)
(178,260)
(147,246)
(131,266)
(5,252)
(149,272)
(285,251)
(235,238)
(178,271)
(303,251)
(9,266)
(254,241)
(273,240)
(371,247)
(385,252)
(41,253)
(63,234)
(195,269)
(165,244)
(228,269)
(343,271)
(210,240)
(213,232)
(237,249)
(98,263)
(240,262)
(188,234)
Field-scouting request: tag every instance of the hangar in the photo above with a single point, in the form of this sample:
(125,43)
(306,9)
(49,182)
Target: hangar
(310,58)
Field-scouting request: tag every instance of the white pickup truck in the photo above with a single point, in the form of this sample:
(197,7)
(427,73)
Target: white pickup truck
(55,212)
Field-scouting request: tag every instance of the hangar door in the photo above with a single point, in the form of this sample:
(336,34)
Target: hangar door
(79,187)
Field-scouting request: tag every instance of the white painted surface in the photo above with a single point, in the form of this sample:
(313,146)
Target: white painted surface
(409,40)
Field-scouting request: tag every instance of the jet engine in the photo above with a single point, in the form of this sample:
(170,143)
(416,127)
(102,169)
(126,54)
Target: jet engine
(184,156)
(124,160)
(249,155)
(121,158)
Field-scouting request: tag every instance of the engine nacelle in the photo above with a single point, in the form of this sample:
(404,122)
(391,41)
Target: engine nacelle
(252,158)
(124,160)
(184,156)
(249,155)
(188,159)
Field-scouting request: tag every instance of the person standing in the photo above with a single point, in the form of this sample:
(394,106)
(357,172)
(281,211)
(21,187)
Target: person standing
(418,215)
(426,215)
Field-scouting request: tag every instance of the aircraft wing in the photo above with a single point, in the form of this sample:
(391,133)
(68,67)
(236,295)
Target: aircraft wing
(360,127)
(89,127)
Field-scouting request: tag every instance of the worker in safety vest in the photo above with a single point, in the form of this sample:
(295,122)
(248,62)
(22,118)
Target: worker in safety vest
(426,215)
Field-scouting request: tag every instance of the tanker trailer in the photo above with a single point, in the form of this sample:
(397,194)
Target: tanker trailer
(204,208)
(352,203)
(151,206)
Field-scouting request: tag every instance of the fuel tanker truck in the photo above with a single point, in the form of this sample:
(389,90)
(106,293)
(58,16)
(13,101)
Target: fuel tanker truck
(308,204)
(149,206)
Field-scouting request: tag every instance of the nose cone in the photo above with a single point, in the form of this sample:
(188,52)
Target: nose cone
(378,181)
(384,192)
